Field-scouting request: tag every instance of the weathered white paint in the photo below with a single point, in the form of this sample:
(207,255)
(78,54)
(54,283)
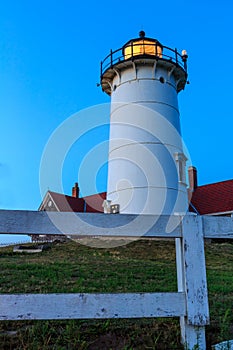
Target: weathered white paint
(194,264)
(181,283)
(121,225)
(194,283)
(191,336)
(88,224)
(217,227)
(144,138)
(81,306)
(191,301)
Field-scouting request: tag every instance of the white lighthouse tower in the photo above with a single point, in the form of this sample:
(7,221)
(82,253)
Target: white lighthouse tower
(146,165)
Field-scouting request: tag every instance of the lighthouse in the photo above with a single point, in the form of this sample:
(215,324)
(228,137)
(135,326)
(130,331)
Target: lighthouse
(146,161)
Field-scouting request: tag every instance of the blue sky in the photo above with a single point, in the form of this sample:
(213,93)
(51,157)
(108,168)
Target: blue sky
(50,53)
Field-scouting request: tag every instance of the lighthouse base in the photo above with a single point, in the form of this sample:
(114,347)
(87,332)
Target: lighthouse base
(153,201)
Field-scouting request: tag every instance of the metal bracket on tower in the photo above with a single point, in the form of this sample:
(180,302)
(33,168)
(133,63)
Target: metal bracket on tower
(135,69)
(118,75)
(154,68)
(178,81)
(111,86)
(170,71)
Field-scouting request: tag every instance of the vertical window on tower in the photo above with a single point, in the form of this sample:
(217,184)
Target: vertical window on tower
(180,164)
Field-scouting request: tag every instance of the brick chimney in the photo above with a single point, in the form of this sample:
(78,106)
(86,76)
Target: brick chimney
(75,190)
(192,174)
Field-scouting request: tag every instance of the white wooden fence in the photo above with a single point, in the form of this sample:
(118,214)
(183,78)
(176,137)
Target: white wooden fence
(190,303)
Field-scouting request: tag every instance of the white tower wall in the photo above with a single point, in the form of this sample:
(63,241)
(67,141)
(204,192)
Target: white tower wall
(146,169)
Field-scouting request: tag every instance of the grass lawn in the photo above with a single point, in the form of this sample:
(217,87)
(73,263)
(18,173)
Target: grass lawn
(141,266)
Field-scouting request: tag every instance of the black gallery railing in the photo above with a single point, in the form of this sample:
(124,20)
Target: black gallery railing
(147,50)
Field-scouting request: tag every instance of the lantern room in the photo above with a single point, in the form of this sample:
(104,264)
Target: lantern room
(142,46)
(143,51)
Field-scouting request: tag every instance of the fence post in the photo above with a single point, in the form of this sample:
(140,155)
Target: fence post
(191,277)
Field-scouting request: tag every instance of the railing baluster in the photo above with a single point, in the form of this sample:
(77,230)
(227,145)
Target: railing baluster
(101,70)
(176,55)
(111,56)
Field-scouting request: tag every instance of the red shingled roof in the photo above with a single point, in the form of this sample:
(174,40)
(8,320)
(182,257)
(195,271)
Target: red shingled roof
(213,198)
(94,203)
(69,203)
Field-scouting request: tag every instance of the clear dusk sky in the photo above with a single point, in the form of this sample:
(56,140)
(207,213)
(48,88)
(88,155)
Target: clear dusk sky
(50,53)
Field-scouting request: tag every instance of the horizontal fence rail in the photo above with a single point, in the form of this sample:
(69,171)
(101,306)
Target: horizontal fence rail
(86,306)
(120,225)
(88,224)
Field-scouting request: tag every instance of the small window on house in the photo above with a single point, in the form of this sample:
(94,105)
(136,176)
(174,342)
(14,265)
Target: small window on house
(115,208)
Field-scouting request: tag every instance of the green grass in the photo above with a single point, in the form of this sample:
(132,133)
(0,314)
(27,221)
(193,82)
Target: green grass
(142,266)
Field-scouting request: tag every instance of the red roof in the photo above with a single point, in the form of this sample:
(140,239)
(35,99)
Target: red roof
(89,204)
(213,198)
(94,203)
(67,203)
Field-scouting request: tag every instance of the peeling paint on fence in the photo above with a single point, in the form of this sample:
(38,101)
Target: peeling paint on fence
(96,306)
(190,303)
